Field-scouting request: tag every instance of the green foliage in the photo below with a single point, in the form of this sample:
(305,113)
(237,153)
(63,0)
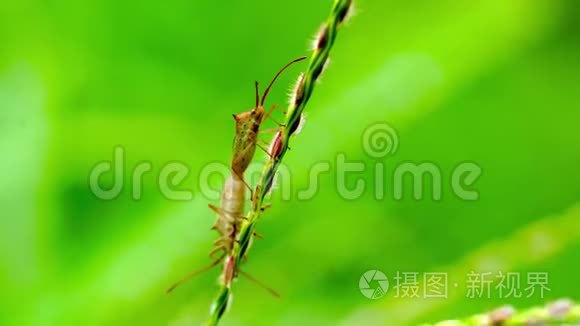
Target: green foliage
(488,81)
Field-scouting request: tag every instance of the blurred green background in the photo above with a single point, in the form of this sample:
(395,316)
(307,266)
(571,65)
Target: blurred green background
(495,82)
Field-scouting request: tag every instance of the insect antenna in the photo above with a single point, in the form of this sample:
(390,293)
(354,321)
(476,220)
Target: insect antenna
(276,77)
(257,94)
(194,273)
(260,284)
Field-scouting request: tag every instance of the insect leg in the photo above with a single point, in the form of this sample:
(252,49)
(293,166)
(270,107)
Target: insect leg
(269,131)
(194,273)
(242,217)
(216,250)
(270,111)
(264,149)
(241,177)
(260,284)
(269,115)
(216,209)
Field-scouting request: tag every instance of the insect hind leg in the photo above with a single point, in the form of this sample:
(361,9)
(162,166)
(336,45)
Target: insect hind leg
(194,273)
(260,284)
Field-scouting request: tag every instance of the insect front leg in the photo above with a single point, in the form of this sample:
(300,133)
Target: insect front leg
(216,209)
(241,177)
(270,131)
(268,115)
(265,150)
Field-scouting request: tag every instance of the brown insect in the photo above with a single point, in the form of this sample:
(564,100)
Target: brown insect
(248,126)
(231,213)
